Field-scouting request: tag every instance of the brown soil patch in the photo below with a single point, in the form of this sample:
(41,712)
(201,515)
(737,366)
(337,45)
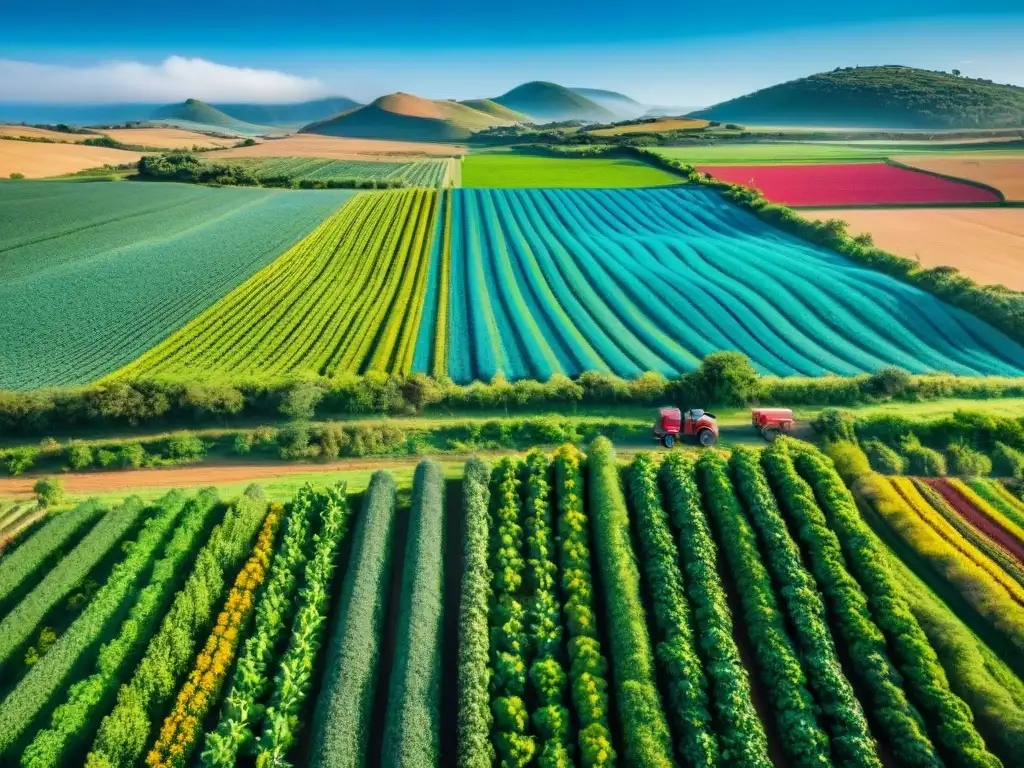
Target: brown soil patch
(407,104)
(38,160)
(167,138)
(1005,174)
(986,244)
(335,148)
(43,133)
(661,124)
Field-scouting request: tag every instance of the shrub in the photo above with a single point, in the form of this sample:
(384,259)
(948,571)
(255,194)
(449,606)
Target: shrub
(105,457)
(1007,461)
(883,458)
(16,176)
(835,425)
(242,443)
(79,455)
(922,460)
(293,441)
(890,381)
(131,455)
(725,378)
(18,460)
(851,462)
(185,446)
(49,491)
(963,460)
(301,399)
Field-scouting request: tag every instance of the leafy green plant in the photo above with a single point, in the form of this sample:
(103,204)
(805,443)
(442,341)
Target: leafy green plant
(49,491)
(883,458)
(963,460)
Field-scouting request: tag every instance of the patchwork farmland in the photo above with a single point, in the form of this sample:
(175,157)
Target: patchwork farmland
(675,611)
(850,184)
(418,173)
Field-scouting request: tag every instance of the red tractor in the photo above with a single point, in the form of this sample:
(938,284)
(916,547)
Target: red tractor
(772,422)
(695,423)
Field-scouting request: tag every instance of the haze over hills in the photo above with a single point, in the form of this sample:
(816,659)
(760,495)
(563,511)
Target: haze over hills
(547,102)
(288,114)
(195,112)
(883,97)
(404,117)
(619,103)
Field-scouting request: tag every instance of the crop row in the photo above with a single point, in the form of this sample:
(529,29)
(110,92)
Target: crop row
(418,173)
(124,733)
(75,719)
(33,692)
(346,299)
(987,517)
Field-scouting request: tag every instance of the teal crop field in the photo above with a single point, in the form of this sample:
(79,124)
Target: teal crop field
(509,169)
(564,281)
(93,275)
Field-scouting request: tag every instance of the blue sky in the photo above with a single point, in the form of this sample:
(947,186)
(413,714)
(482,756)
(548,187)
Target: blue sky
(674,55)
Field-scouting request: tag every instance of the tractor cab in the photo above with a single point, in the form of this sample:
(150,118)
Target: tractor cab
(693,423)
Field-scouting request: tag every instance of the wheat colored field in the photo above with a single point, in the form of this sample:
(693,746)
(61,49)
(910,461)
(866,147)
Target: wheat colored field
(661,124)
(334,148)
(1005,173)
(167,138)
(37,160)
(43,133)
(986,244)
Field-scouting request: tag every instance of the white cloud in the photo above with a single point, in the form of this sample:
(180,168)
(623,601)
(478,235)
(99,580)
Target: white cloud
(174,79)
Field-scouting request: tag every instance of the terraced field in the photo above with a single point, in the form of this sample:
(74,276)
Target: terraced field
(419,173)
(346,299)
(547,281)
(93,275)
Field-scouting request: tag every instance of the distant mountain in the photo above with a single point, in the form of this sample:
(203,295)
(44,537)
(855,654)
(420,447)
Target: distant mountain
(623,106)
(669,111)
(549,102)
(495,109)
(199,113)
(404,117)
(878,97)
(288,114)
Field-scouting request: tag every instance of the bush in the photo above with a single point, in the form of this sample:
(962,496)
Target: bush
(16,176)
(105,457)
(185,446)
(963,460)
(79,455)
(724,378)
(835,425)
(17,460)
(883,458)
(1007,461)
(921,460)
(301,399)
(890,381)
(49,491)
(242,443)
(131,455)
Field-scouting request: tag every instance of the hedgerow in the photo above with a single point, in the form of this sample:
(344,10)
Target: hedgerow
(282,720)
(474,676)
(412,726)
(547,676)
(22,620)
(588,667)
(949,719)
(125,731)
(243,704)
(45,677)
(675,648)
(340,735)
(646,737)
(899,723)
(72,722)
(24,567)
(514,745)
(181,728)
(883,458)
(803,741)
(1007,461)
(842,712)
(739,728)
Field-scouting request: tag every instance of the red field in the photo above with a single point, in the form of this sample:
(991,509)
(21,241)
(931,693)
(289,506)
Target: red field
(849,184)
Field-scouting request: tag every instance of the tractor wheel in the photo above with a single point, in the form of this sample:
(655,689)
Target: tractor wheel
(668,441)
(707,438)
(770,434)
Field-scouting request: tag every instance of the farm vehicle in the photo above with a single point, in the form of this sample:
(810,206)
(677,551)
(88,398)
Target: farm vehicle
(700,426)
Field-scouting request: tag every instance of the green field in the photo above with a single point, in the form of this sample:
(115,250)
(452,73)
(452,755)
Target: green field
(419,173)
(93,275)
(514,170)
(772,152)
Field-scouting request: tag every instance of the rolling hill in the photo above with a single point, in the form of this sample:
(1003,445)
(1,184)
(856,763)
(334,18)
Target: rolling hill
(495,109)
(288,114)
(880,97)
(619,103)
(548,102)
(404,117)
(192,112)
